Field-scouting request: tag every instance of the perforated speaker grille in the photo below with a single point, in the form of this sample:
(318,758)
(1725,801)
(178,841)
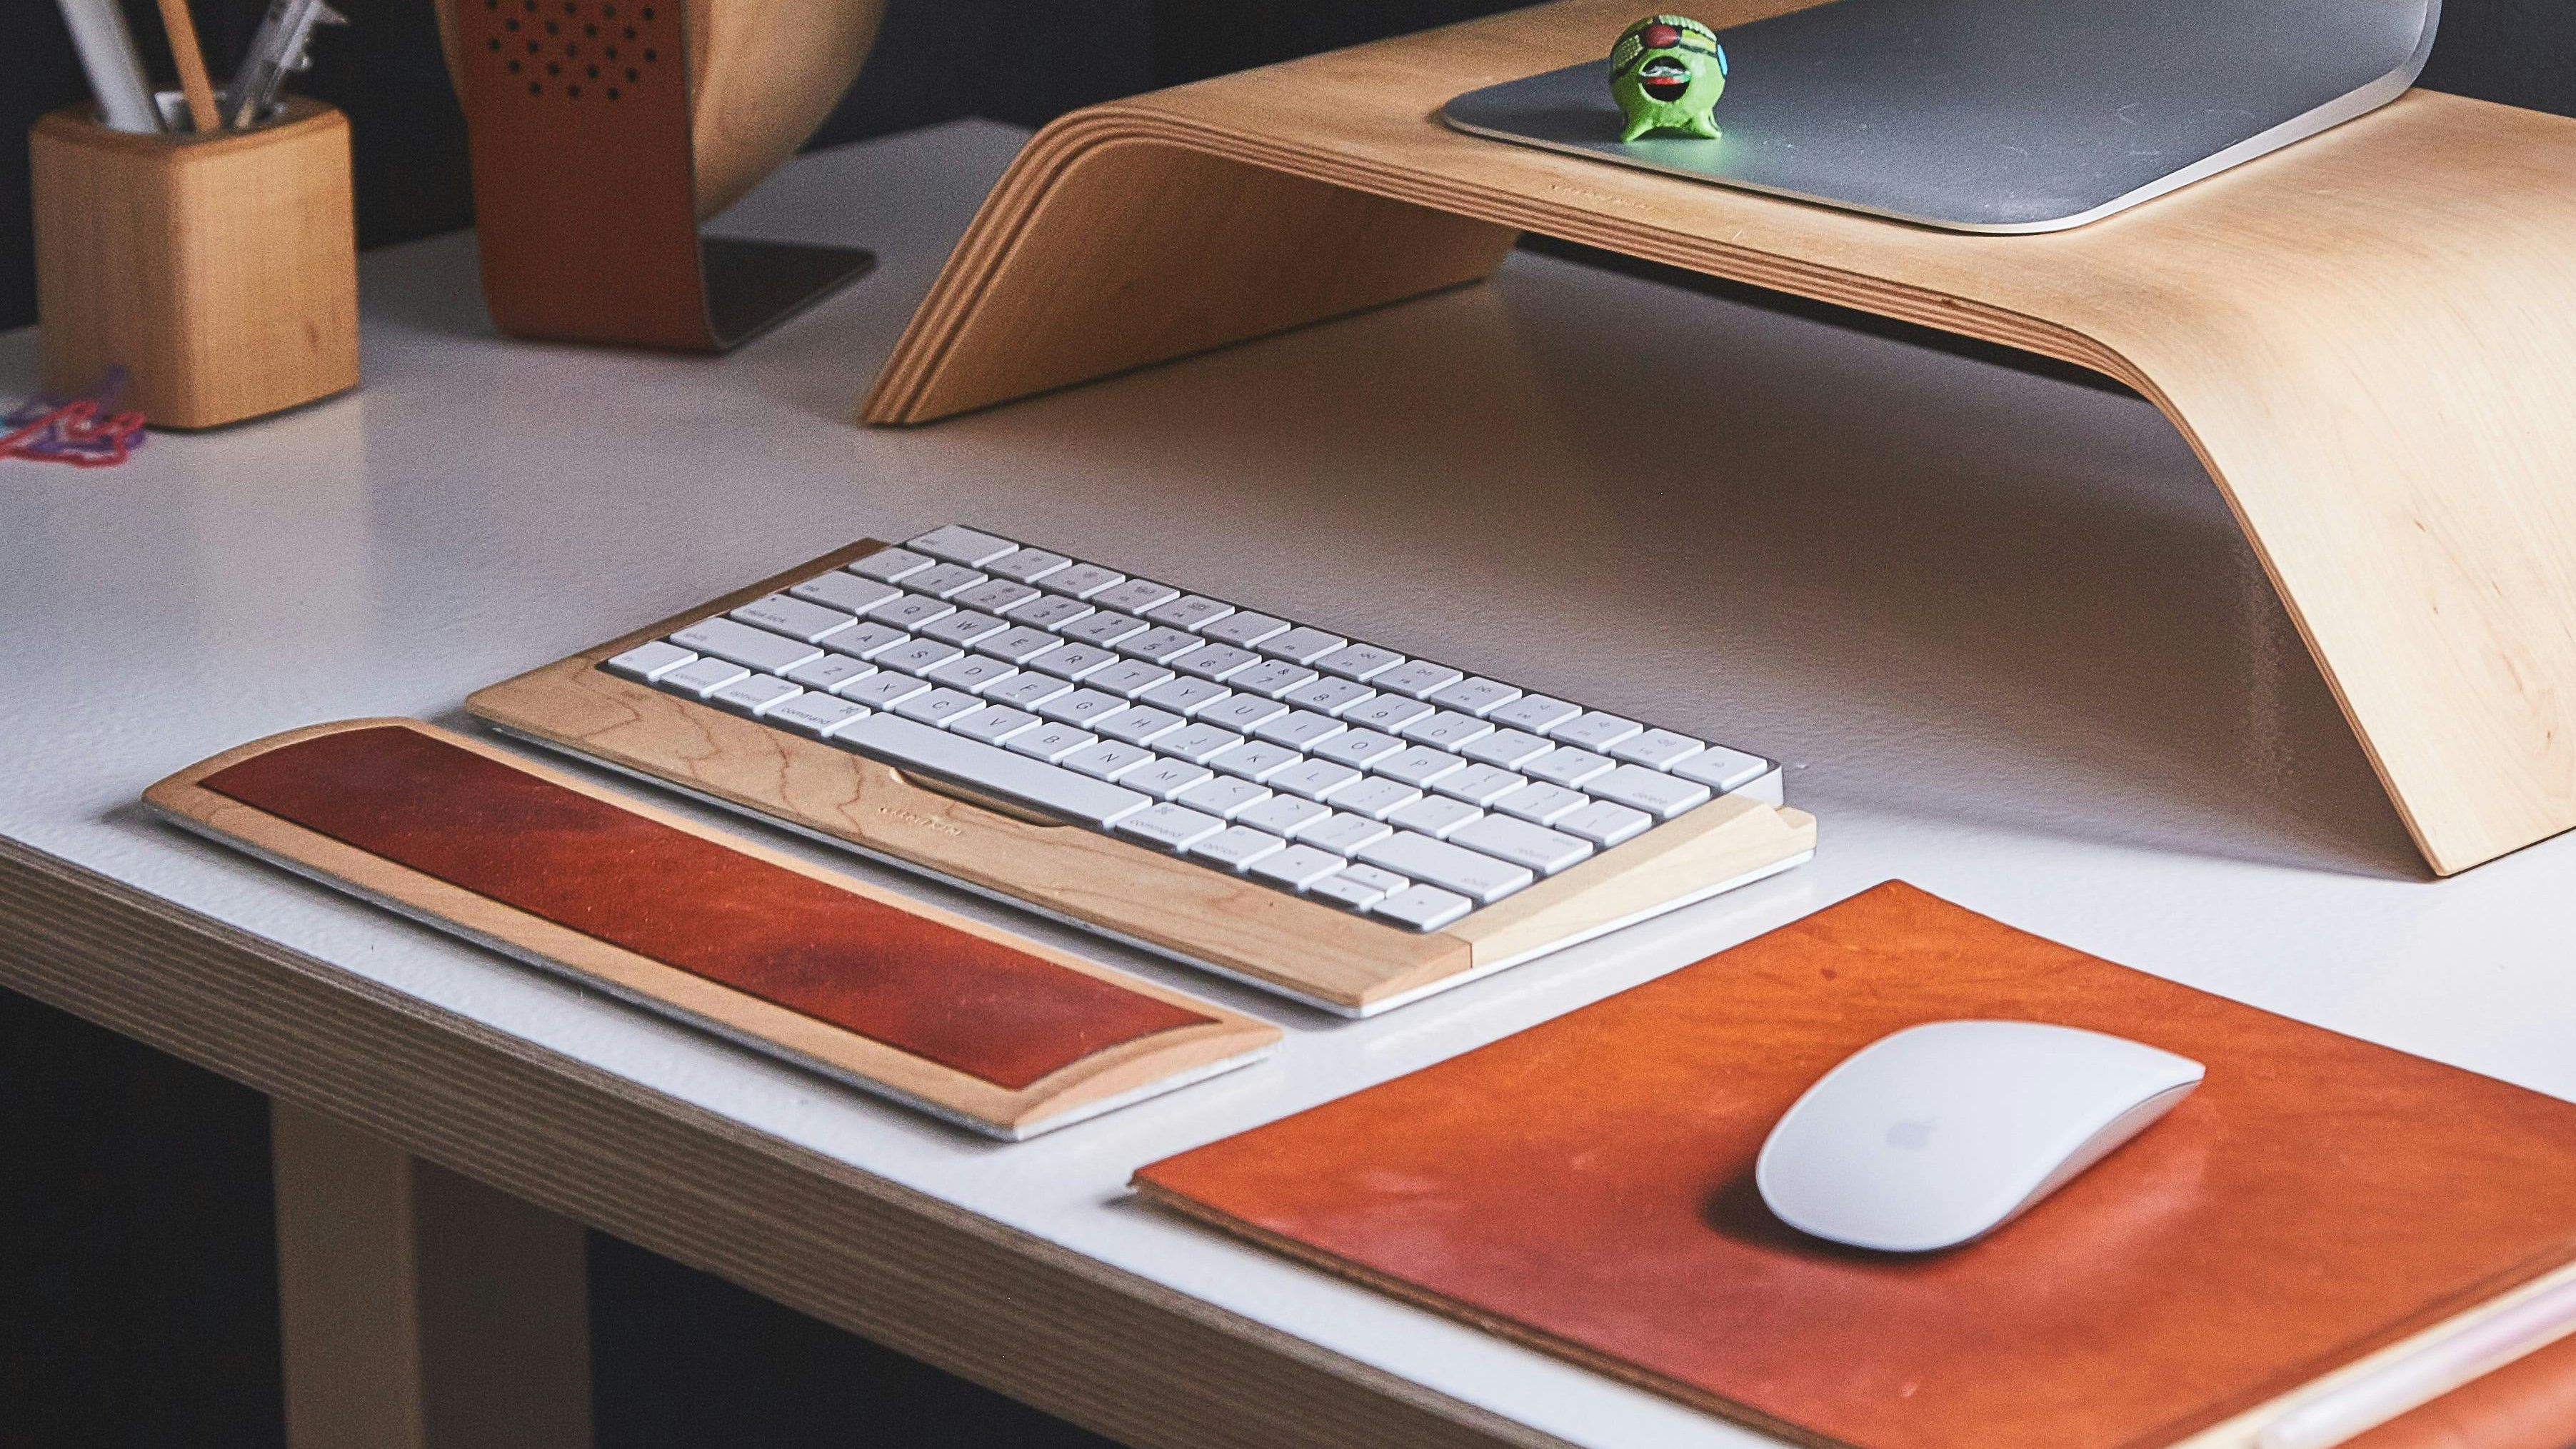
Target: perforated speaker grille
(580,50)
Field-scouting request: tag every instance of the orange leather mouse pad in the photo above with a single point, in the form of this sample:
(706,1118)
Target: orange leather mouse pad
(1587,1186)
(978,1006)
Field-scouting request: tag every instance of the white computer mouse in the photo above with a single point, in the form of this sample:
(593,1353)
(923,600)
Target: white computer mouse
(1944,1132)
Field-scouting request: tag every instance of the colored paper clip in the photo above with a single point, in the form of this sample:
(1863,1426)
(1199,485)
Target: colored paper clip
(80,431)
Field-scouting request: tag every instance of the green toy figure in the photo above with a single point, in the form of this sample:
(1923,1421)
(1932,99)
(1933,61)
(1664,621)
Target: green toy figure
(1666,73)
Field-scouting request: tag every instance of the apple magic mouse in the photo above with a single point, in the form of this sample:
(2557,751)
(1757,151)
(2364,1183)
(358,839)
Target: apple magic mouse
(1942,1133)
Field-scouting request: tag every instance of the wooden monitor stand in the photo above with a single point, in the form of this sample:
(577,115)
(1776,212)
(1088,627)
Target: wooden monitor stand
(2369,338)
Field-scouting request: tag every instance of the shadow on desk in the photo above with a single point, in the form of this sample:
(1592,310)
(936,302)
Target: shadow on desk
(1936,584)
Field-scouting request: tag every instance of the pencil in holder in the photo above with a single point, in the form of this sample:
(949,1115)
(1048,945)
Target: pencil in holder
(220,269)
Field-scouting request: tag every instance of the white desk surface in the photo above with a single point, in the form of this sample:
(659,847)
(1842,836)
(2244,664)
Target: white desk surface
(2000,627)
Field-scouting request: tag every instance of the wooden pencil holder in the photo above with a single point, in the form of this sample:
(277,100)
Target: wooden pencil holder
(220,271)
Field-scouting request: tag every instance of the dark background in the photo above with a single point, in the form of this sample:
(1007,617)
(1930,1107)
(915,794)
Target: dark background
(137,1294)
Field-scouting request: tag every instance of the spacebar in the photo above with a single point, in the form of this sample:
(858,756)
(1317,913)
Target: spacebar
(917,746)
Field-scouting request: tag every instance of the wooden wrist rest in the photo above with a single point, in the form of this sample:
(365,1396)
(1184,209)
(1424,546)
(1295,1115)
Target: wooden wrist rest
(958,1018)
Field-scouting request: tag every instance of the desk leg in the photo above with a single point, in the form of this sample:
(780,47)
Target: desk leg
(420,1309)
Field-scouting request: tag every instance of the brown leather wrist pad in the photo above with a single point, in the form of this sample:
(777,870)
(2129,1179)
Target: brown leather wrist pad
(978,1006)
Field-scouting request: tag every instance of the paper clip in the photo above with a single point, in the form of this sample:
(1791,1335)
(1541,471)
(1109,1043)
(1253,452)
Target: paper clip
(79,431)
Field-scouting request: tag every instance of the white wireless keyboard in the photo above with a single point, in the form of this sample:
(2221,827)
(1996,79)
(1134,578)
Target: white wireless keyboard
(1249,746)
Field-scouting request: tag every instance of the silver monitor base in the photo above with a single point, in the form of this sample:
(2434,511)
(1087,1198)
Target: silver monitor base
(1997,115)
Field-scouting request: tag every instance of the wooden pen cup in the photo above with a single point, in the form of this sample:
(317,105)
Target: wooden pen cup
(220,270)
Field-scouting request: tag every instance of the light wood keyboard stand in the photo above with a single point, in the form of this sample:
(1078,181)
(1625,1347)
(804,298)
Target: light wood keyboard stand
(2369,338)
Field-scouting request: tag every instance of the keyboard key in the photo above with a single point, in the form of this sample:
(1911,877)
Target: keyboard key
(959,544)
(1139,724)
(1358,661)
(938,706)
(944,581)
(973,673)
(962,628)
(1018,645)
(1134,596)
(829,672)
(1270,678)
(866,641)
(911,611)
(1358,887)
(1082,580)
(1328,695)
(1639,788)
(1566,765)
(1313,779)
(1185,696)
(884,689)
(702,677)
(794,618)
(1215,661)
(1357,747)
(1388,712)
(815,714)
(1127,678)
(1373,797)
(1236,847)
(1161,644)
(1518,841)
(913,745)
(1418,766)
(1342,832)
(1536,713)
(1424,908)
(1478,696)
(754,695)
(1297,867)
(1436,816)
(1605,824)
(1050,742)
(1542,804)
(1478,784)
(1164,779)
(892,565)
(1505,747)
(1190,611)
(846,592)
(1106,759)
(994,595)
(1594,730)
(649,662)
(1027,691)
(744,645)
(1196,743)
(1478,877)
(993,724)
(1301,645)
(1027,566)
(918,657)
(1282,814)
(1416,678)
(1256,760)
(1049,611)
(1298,729)
(1657,749)
(1082,706)
(1223,797)
(1243,712)
(1072,661)
(1243,628)
(1448,729)
(1104,627)
(1722,769)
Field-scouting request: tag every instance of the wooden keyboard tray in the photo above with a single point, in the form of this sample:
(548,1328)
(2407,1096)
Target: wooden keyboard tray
(1316,953)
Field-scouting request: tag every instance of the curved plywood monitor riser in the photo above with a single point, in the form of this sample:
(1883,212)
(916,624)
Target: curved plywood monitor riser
(2365,336)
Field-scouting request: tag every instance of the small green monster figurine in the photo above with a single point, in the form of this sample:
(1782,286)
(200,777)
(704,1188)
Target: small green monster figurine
(1666,72)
